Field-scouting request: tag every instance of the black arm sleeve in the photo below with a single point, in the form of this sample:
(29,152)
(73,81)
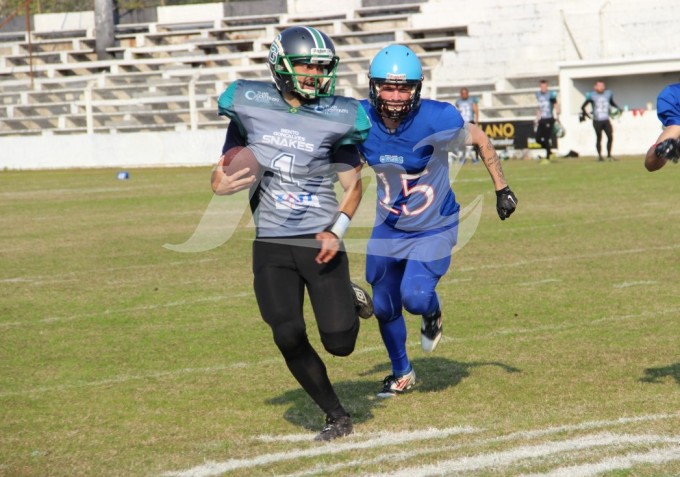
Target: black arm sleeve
(583,106)
(347,154)
(234,137)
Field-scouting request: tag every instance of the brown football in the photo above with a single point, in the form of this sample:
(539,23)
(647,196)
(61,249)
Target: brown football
(238,158)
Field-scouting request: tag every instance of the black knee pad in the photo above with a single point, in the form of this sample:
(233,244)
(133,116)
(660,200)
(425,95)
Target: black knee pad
(341,343)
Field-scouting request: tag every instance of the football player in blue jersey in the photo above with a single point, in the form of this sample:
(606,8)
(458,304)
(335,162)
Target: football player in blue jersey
(601,101)
(302,137)
(667,146)
(416,223)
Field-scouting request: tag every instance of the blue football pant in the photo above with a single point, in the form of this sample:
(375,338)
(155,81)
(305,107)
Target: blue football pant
(402,284)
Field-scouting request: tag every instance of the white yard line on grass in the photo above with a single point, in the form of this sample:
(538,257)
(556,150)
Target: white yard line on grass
(87,273)
(500,459)
(387,439)
(162,375)
(560,258)
(656,456)
(375,440)
(133,309)
(521,435)
(539,282)
(635,283)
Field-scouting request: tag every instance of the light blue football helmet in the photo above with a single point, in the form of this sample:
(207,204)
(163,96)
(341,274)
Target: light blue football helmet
(395,64)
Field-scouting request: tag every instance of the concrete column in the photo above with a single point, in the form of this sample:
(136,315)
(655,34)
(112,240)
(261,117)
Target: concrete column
(104,27)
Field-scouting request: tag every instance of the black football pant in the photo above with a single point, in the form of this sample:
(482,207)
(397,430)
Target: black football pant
(544,132)
(606,127)
(282,272)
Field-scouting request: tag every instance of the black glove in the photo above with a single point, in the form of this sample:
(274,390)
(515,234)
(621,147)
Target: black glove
(506,202)
(668,149)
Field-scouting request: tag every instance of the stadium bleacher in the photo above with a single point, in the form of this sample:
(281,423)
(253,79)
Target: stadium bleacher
(153,60)
(144,83)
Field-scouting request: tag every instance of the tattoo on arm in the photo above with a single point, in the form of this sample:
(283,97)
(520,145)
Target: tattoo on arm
(491,160)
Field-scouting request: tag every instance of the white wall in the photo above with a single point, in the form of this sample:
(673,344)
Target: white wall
(184,148)
(191,13)
(63,21)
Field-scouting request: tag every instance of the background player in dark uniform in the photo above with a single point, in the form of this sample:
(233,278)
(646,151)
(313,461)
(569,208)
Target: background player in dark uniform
(302,137)
(416,222)
(546,113)
(667,146)
(601,99)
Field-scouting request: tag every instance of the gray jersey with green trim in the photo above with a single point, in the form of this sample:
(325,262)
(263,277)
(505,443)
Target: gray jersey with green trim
(295,149)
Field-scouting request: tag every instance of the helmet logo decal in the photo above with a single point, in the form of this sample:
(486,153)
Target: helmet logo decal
(391,77)
(321,55)
(274,53)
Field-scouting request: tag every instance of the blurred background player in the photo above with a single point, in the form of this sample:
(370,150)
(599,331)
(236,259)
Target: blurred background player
(667,146)
(601,99)
(302,136)
(546,113)
(416,223)
(469,108)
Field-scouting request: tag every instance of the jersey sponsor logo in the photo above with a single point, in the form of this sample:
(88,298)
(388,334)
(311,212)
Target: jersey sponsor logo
(299,201)
(260,97)
(288,138)
(391,159)
(334,110)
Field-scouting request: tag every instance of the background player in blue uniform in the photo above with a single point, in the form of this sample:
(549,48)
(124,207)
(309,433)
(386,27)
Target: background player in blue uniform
(667,146)
(546,114)
(601,100)
(417,214)
(301,136)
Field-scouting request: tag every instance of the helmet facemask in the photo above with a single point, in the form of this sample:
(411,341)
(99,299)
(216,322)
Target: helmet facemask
(391,109)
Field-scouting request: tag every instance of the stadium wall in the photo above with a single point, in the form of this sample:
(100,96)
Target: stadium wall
(182,148)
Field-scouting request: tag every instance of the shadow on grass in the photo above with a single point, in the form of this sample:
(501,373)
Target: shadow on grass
(655,375)
(359,396)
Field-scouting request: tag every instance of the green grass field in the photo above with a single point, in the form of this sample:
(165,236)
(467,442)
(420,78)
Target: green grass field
(119,357)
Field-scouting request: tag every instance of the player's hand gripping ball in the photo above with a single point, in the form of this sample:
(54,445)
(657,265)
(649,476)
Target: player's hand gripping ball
(238,158)
(506,202)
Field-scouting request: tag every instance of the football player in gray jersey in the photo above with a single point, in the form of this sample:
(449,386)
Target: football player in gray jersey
(304,138)
(601,100)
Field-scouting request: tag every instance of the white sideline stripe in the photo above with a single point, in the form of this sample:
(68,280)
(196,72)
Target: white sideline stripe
(521,435)
(656,456)
(216,468)
(634,284)
(505,458)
